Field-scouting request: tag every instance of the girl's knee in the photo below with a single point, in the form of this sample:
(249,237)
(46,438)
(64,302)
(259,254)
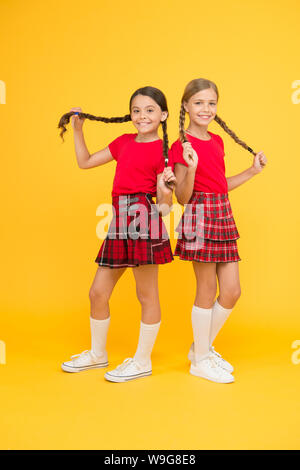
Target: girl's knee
(230,296)
(207,289)
(146,296)
(97,294)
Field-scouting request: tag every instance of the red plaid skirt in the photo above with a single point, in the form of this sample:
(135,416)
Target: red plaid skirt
(137,234)
(207,231)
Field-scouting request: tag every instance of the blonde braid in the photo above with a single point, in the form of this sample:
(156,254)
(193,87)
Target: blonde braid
(182,135)
(233,135)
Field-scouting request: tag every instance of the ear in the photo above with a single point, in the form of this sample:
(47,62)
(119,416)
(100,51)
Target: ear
(164,116)
(185,106)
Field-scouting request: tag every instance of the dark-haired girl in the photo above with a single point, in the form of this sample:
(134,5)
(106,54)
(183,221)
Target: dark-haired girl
(207,231)
(137,237)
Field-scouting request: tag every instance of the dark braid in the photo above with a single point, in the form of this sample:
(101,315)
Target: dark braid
(232,134)
(65,119)
(191,89)
(165,142)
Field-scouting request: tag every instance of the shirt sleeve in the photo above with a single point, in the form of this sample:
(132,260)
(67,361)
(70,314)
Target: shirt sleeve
(220,140)
(116,145)
(161,166)
(177,153)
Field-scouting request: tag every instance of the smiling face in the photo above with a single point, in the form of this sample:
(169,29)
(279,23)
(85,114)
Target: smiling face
(146,115)
(202,107)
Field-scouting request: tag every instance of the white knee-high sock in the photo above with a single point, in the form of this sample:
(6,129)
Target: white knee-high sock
(99,329)
(201,323)
(148,334)
(219,317)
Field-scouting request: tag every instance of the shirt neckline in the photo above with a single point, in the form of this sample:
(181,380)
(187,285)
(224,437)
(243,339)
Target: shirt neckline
(202,140)
(151,142)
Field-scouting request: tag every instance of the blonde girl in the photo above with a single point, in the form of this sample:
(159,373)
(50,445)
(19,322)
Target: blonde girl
(207,231)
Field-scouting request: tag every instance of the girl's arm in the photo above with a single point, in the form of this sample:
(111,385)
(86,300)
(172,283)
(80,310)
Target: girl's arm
(185,182)
(186,175)
(84,159)
(259,163)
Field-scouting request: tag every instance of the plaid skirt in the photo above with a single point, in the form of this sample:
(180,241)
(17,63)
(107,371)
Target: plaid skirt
(137,234)
(207,231)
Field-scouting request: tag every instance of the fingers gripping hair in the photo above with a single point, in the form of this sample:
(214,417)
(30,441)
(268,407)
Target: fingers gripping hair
(65,119)
(233,135)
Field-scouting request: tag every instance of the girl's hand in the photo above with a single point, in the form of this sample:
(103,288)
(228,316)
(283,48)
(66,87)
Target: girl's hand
(167,176)
(76,121)
(259,162)
(190,155)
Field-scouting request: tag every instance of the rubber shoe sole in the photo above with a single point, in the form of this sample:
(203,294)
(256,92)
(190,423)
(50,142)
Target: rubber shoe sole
(118,379)
(194,371)
(67,368)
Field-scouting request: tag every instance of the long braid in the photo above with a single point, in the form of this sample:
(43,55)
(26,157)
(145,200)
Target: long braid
(165,142)
(182,135)
(65,119)
(166,150)
(232,134)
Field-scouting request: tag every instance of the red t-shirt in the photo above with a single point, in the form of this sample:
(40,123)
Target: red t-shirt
(210,173)
(138,164)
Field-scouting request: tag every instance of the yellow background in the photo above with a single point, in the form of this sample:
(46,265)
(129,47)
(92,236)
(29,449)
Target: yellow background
(94,54)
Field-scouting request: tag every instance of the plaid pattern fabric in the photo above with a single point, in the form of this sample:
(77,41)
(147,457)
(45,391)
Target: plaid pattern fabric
(136,235)
(207,231)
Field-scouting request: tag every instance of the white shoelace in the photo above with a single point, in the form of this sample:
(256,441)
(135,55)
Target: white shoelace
(213,363)
(126,363)
(77,357)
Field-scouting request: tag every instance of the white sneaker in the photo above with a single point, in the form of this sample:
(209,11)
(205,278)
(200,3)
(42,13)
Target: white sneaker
(128,370)
(84,361)
(207,368)
(219,359)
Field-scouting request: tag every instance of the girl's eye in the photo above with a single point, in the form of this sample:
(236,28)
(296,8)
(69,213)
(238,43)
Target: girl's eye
(200,102)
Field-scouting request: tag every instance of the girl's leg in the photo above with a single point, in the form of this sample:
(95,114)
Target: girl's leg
(229,284)
(229,292)
(201,312)
(206,288)
(101,290)
(203,364)
(100,293)
(146,278)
